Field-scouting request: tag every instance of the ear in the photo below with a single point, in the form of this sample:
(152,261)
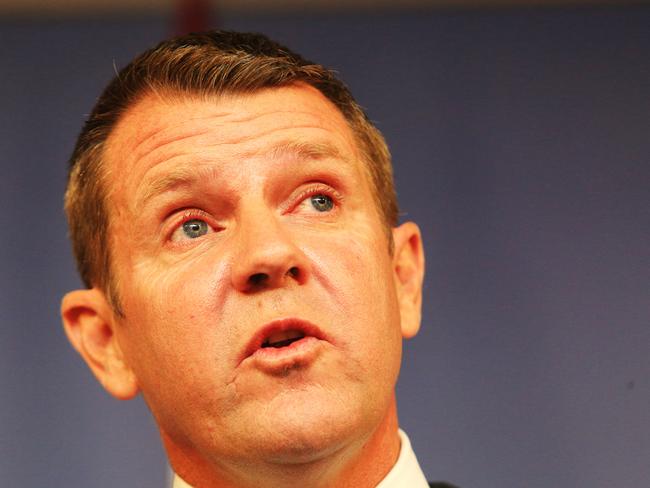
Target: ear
(408,271)
(89,323)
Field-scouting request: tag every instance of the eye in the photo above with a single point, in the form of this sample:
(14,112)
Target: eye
(191,229)
(319,199)
(322,203)
(195,228)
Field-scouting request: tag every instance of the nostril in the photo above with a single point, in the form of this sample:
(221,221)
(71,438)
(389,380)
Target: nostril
(258,279)
(262,280)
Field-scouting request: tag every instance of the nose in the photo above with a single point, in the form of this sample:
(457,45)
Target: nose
(267,255)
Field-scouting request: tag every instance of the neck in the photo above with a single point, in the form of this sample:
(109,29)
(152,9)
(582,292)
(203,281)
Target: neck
(362,463)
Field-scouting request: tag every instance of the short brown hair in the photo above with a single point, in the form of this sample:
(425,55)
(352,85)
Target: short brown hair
(211,63)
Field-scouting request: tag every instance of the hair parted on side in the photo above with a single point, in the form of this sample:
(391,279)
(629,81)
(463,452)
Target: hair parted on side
(204,65)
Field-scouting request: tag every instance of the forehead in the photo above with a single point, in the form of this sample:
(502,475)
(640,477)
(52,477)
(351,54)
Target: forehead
(162,127)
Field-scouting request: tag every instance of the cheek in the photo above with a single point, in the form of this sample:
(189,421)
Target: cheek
(357,265)
(356,269)
(169,321)
(175,347)
(177,288)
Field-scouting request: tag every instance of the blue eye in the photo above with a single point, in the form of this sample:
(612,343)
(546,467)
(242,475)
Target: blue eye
(195,228)
(321,202)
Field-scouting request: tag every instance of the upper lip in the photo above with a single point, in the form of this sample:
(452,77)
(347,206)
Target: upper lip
(280,325)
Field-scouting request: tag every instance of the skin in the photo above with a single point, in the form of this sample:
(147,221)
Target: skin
(246,167)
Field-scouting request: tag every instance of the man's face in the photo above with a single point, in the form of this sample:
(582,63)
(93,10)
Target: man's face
(260,311)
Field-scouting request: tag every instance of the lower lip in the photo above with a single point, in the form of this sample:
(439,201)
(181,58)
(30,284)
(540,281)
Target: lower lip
(279,360)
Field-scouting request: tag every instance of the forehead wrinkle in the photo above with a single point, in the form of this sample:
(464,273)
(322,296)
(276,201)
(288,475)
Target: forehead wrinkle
(231,118)
(145,142)
(188,175)
(302,150)
(157,137)
(155,127)
(151,145)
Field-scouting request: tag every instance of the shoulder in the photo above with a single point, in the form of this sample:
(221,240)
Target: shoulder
(440,484)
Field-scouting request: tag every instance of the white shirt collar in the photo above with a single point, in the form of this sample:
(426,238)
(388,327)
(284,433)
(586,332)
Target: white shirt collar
(406,473)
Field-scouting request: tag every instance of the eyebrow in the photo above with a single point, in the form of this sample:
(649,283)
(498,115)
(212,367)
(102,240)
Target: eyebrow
(310,151)
(187,176)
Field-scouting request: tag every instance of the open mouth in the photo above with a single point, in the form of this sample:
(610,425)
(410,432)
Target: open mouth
(283,338)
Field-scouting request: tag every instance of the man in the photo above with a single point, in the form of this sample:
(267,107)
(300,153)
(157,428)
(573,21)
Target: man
(233,217)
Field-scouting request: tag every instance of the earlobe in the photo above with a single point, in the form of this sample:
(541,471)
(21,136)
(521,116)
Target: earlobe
(408,270)
(89,324)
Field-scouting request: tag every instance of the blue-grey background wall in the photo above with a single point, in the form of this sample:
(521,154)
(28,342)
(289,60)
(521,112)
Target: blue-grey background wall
(521,145)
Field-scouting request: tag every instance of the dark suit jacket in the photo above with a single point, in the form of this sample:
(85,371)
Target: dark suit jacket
(440,484)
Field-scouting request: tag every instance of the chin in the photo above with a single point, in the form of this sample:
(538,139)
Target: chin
(303,430)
